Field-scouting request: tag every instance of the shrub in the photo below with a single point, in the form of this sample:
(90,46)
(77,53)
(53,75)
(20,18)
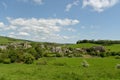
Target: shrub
(13,57)
(39,51)
(113,53)
(118,66)
(3,56)
(117,57)
(28,58)
(7,61)
(78,55)
(85,63)
(33,52)
(59,55)
(70,55)
(103,54)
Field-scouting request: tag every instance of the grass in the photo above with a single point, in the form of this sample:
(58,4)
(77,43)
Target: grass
(71,69)
(113,47)
(82,45)
(5,40)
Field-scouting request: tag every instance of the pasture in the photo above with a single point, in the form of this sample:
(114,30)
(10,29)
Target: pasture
(112,48)
(62,69)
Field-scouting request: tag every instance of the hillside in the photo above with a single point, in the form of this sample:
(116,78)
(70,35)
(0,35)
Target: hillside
(5,40)
(112,48)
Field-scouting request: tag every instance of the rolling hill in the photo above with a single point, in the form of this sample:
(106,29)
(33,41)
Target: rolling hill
(5,40)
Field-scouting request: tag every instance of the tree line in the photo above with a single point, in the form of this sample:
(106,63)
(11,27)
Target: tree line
(103,42)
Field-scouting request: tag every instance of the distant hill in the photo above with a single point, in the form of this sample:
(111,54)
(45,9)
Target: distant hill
(112,47)
(5,40)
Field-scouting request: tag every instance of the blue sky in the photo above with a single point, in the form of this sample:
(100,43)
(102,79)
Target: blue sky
(61,21)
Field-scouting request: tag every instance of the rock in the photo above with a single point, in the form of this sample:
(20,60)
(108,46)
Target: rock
(3,47)
(99,48)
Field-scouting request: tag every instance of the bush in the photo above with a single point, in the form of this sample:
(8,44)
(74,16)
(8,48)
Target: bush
(59,55)
(13,57)
(70,55)
(118,66)
(103,54)
(3,56)
(28,58)
(78,55)
(117,57)
(7,61)
(85,63)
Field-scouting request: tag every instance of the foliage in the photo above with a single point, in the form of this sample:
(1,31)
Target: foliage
(59,54)
(117,57)
(70,55)
(103,42)
(32,51)
(39,52)
(78,55)
(85,64)
(118,66)
(28,58)
(7,61)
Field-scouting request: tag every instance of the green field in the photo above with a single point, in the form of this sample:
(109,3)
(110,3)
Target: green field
(82,45)
(5,40)
(62,69)
(113,47)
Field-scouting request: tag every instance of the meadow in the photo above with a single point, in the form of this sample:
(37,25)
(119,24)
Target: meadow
(112,48)
(62,69)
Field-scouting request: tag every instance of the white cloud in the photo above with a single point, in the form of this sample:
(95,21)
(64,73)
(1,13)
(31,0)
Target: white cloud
(100,5)
(70,5)
(23,34)
(38,2)
(1,24)
(37,29)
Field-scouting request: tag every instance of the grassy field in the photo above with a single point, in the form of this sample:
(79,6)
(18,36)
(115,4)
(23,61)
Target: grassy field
(82,45)
(5,40)
(113,47)
(62,69)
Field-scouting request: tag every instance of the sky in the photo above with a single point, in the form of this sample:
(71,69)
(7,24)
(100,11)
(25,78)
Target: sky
(60,21)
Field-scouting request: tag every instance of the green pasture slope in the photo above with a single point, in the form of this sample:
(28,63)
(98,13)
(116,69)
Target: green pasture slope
(62,69)
(113,47)
(82,45)
(5,40)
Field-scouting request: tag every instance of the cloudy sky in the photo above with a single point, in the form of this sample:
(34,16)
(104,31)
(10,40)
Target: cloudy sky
(61,21)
